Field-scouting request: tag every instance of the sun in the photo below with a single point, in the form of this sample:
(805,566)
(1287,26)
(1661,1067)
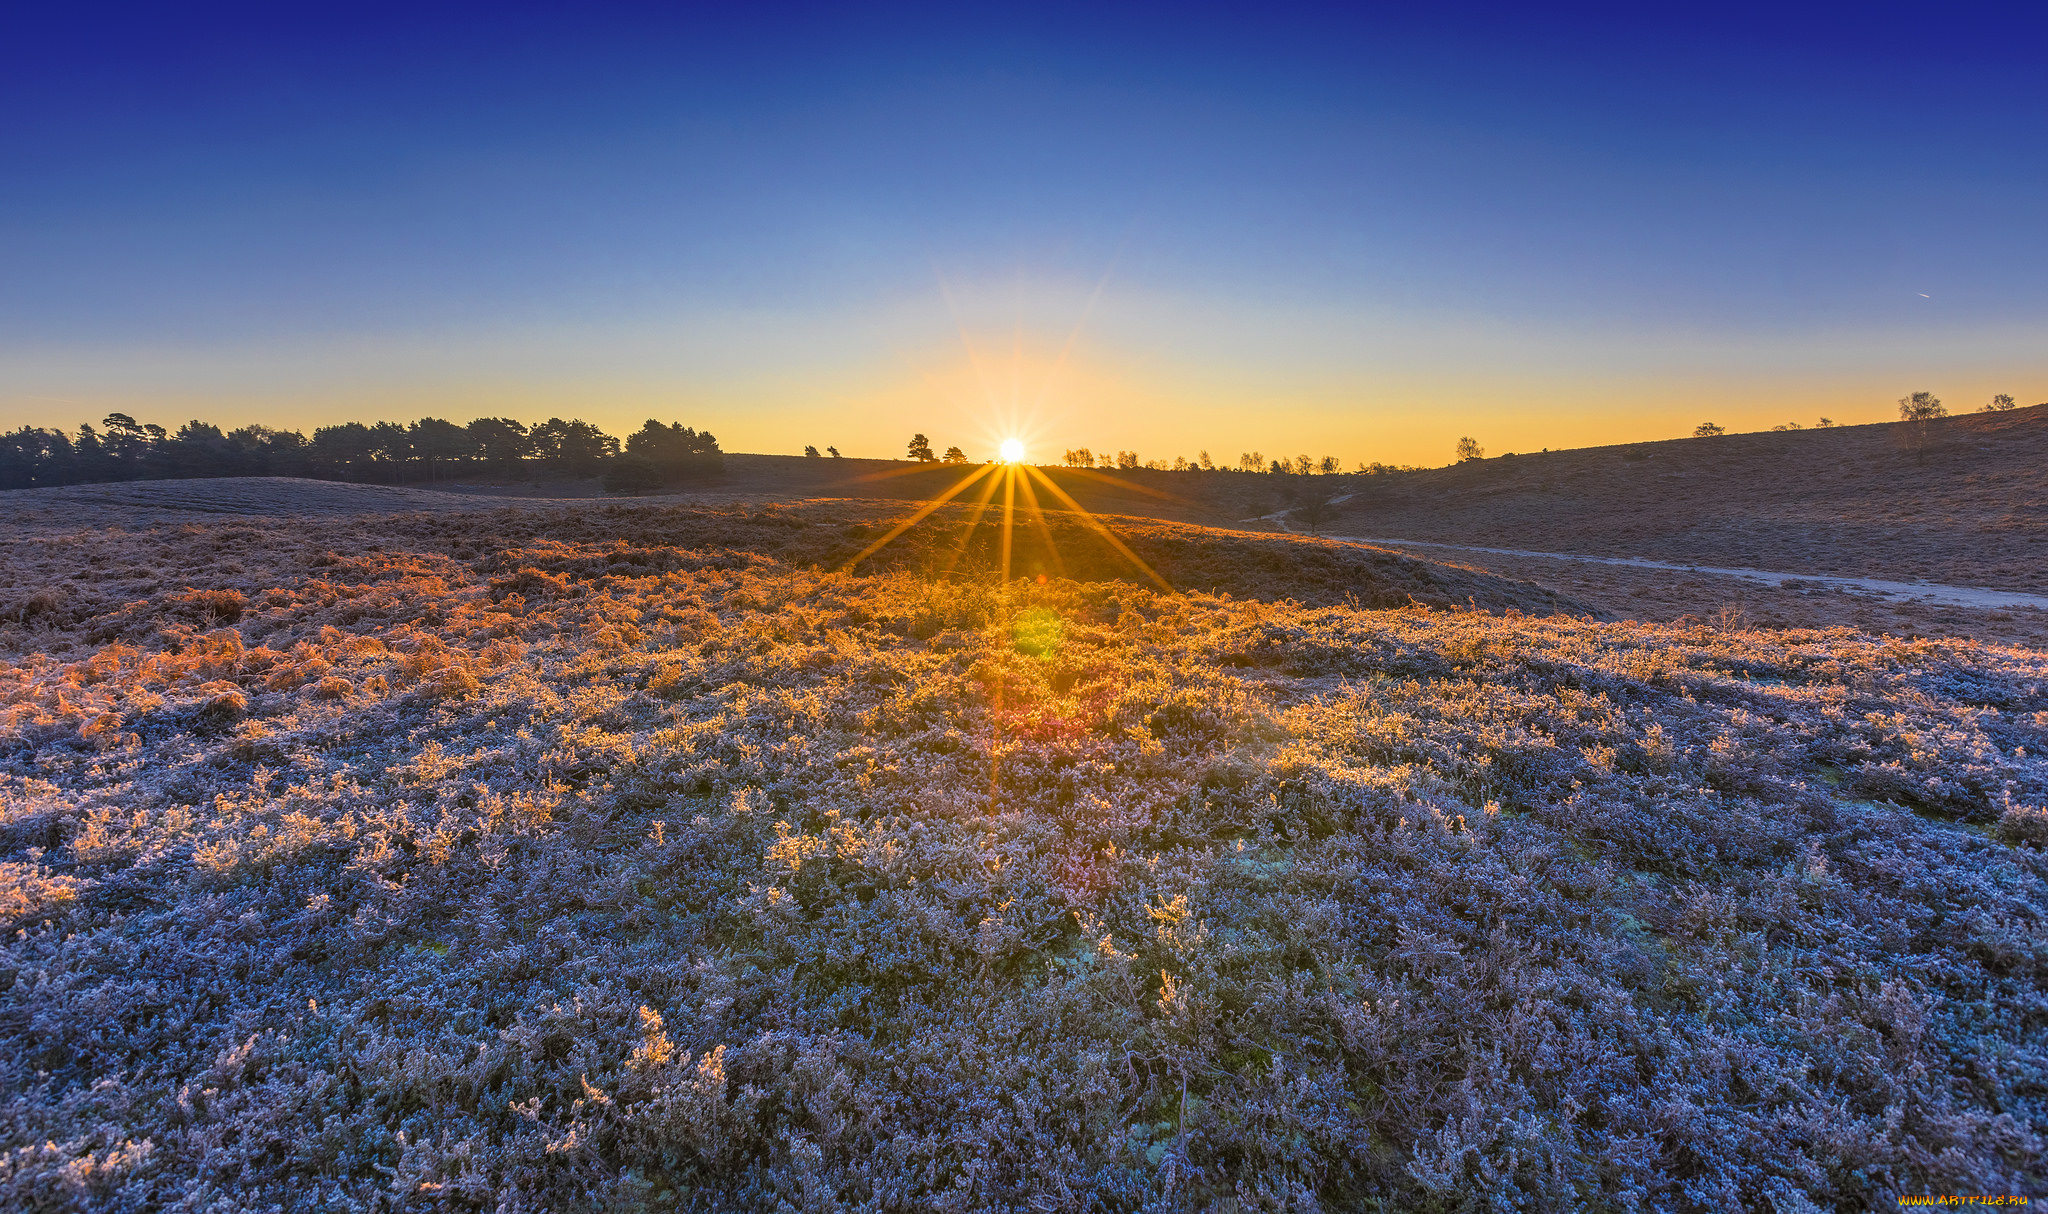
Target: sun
(1014,480)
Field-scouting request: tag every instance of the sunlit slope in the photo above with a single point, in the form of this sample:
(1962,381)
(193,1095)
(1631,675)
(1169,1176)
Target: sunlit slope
(1963,501)
(962,540)
(84,576)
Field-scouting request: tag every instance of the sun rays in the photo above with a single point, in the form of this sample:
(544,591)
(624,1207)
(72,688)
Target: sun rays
(1012,422)
(1017,484)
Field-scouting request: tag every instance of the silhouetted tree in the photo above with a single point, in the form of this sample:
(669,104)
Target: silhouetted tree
(677,451)
(390,450)
(501,443)
(1918,411)
(833,452)
(1921,407)
(343,451)
(197,449)
(811,452)
(1080,457)
(30,457)
(128,445)
(1707,430)
(1469,449)
(2000,404)
(269,452)
(438,442)
(573,448)
(921,449)
(89,456)
(386,451)
(1127,459)
(955,455)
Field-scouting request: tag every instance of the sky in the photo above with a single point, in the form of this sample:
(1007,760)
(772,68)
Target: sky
(1363,231)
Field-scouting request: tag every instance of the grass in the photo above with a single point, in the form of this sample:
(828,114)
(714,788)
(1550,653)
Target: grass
(625,858)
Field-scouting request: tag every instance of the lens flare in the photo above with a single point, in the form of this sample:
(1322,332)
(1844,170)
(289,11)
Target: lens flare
(1013,451)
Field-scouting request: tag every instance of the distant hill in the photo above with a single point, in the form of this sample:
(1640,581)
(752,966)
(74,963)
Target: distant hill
(1970,506)
(1962,501)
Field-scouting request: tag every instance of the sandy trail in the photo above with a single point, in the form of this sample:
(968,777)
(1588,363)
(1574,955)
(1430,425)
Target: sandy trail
(1926,592)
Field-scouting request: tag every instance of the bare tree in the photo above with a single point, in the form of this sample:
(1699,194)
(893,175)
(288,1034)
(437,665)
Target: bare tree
(1469,449)
(1313,506)
(1918,411)
(1921,407)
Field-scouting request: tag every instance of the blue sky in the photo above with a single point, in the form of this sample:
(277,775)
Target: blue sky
(1286,228)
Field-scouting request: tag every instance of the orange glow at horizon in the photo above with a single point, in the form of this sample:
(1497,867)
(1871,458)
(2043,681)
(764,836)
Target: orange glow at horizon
(1010,478)
(1052,359)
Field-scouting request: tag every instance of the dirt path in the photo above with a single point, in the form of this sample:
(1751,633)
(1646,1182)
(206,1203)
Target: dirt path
(1929,592)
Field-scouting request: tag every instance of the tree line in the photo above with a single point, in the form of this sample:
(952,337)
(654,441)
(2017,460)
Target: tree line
(385,453)
(920,450)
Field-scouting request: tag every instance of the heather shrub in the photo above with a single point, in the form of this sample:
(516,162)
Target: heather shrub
(510,864)
(212,606)
(38,604)
(2024,824)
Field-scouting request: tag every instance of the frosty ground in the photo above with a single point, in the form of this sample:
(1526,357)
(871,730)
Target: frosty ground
(582,859)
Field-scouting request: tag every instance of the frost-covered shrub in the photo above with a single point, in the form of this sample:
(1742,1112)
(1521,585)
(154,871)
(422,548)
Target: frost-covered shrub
(2024,824)
(542,868)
